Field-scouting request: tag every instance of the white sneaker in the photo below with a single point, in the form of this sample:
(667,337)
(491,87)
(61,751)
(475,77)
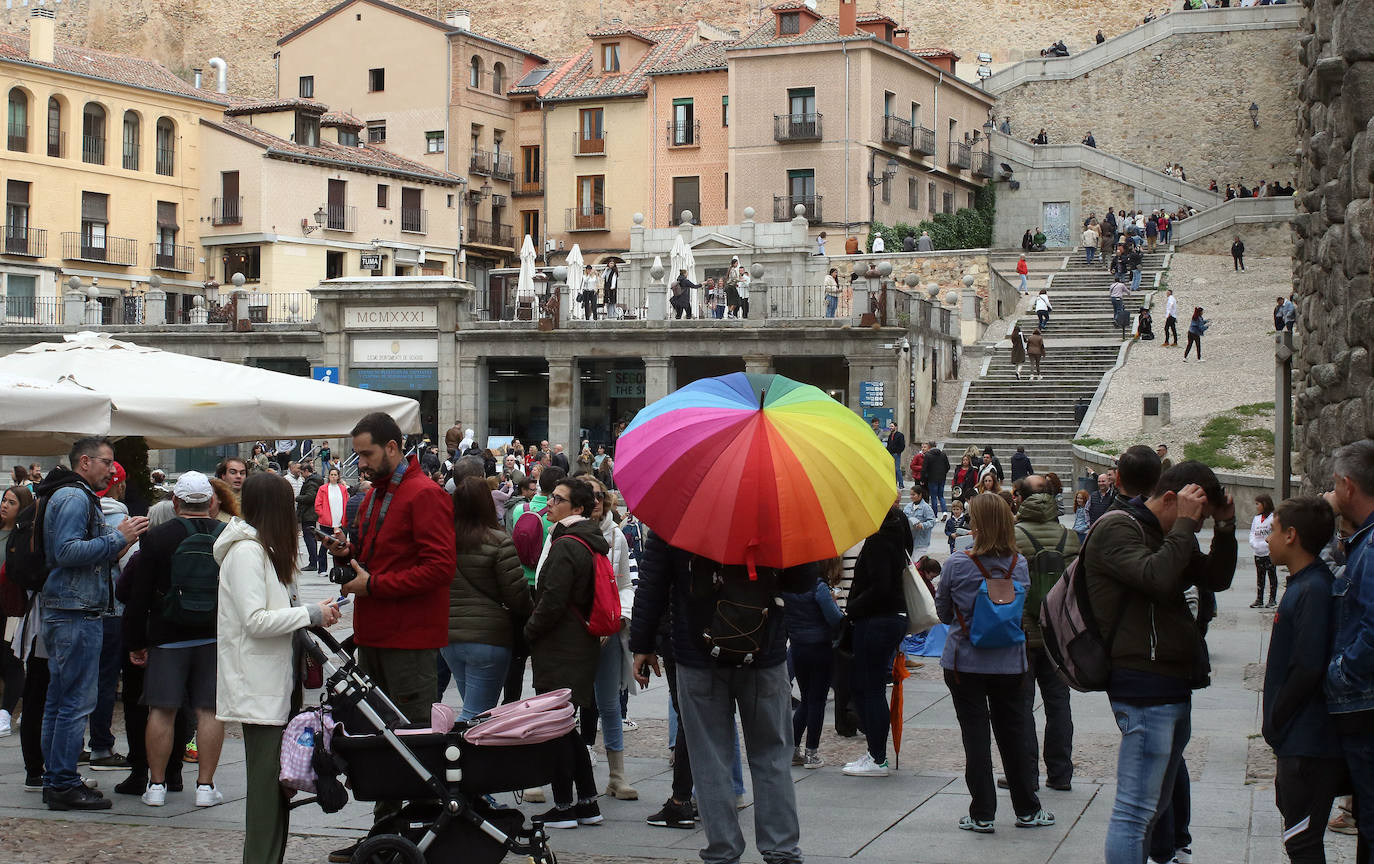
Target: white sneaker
(156,795)
(5,724)
(592,753)
(866,767)
(206,795)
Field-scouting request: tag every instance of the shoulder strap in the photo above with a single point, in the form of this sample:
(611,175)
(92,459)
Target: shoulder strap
(1063,538)
(1036,543)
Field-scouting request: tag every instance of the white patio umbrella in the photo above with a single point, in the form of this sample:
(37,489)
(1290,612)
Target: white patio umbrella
(575,265)
(39,418)
(524,285)
(176,400)
(689,261)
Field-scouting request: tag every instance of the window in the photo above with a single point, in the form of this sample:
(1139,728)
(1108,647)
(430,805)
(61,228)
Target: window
(376,80)
(913,193)
(376,131)
(475,72)
(333,265)
(684,123)
(725,111)
(20,295)
(131,130)
(336,211)
(167,144)
(970,201)
(242,259)
(930,197)
(610,57)
(498,78)
(591,202)
(915,115)
(887,188)
(412,211)
(434,142)
(529,224)
(948,202)
(592,134)
(801,185)
(686,196)
(228,208)
(95,210)
(55,137)
(19,120)
(307,129)
(16,217)
(93,134)
(529,166)
(889,101)
(801,100)
(166,234)
(382,191)
(348,137)
(789,24)
(307,90)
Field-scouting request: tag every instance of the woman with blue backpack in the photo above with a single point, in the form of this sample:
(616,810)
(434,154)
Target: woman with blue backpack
(981,596)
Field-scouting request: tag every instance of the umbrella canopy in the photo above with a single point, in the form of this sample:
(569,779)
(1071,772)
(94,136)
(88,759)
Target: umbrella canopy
(176,400)
(575,265)
(755,470)
(689,260)
(524,286)
(41,417)
(677,257)
(895,712)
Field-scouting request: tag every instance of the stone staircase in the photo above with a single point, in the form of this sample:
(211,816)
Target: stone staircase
(1082,344)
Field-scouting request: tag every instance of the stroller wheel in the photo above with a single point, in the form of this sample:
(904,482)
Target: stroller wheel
(388,849)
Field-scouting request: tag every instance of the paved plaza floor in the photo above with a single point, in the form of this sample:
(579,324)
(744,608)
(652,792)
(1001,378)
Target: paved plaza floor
(907,818)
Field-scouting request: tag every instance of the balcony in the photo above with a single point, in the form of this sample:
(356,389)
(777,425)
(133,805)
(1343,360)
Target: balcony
(960,155)
(679,206)
(491,234)
(93,150)
(57,144)
(131,154)
(480,163)
(414,220)
(982,164)
(20,309)
(119,251)
(923,141)
(796,127)
(226,211)
(784,205)
(18,137)
(591,217)
(166,161)
(896,131)
(521,186)
(340,217)
(590,143)
(178,259)
(684,134)
(24,241)
(503,166)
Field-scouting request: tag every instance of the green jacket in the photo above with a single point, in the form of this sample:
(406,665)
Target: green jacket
(488,593)
(1036,517)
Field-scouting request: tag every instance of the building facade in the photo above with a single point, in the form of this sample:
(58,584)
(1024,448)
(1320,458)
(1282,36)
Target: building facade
(689,100)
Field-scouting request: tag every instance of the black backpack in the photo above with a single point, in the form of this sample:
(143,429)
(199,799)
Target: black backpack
(26,555)
(734,617)
(192,598)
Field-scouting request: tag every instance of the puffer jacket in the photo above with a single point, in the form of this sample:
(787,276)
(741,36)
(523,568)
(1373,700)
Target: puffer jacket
(877,590)
(564,653)
(1038,517)
(488,593)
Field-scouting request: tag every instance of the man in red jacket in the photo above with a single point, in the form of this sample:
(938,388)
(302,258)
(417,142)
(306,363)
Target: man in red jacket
(404,559)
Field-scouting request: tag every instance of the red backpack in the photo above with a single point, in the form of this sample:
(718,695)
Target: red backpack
(605,617)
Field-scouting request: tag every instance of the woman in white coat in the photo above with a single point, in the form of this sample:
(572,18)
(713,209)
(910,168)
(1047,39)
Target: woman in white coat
(256,680)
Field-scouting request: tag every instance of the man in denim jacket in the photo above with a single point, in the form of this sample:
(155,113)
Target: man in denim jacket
(1350,675)
(81,549)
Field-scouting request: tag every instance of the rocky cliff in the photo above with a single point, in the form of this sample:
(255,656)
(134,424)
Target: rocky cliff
(185,33)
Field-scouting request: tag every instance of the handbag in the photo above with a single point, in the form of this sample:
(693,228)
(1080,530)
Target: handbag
(920,605)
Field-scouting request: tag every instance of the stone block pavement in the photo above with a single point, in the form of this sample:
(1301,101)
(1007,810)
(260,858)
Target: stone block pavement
(908,818)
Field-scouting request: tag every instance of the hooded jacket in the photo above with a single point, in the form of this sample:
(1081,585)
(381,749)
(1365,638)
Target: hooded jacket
(1038,517)
(564,653)
(258,616)
(488,593)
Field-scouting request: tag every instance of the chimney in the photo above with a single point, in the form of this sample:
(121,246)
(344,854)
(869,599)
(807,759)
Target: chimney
(42,33)
(197,72)
(460,19)
(849,13)
(902,38)
(221,74)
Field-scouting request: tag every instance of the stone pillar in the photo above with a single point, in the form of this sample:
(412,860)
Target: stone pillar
(560,287)
(565,396)
(758,293)
(92,312)
(799,237)
(660,378)
(656,292)
(155,306)
(866,283)
(450,385)
(758,364)
(637,233)
(199,314)
(73,302)
(472,397)
(239,299)
(746,228)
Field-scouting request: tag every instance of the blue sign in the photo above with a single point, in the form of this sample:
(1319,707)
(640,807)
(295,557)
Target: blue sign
(872,394)
(395,380)
(884,416)
(327,374)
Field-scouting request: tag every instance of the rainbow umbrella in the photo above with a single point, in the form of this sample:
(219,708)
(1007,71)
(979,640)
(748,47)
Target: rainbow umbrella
(758,470)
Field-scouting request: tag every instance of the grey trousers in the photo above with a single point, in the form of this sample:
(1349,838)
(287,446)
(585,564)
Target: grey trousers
(709,700)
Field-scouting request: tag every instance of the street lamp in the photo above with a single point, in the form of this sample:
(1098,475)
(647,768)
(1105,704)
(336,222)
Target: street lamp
(889,171)
(1254,114)
(319,222)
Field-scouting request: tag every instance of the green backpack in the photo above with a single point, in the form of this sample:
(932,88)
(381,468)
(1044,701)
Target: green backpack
(192,598)
(1046,567)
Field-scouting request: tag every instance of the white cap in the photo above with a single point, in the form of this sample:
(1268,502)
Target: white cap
(193,487)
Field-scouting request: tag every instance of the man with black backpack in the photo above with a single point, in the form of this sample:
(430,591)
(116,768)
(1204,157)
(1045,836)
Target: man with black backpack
(1048,547)
(73,575)
(741,671)
(170,629)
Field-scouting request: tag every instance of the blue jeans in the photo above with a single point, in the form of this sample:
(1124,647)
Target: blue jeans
(937,498)
(812,664)
(607,690)
(73,640)
(1152,742)
(832,302)
(1135,279)
(1088,252)
(1021,289)
(479,671)
(1359,758)
(875,641)
(111,660)
(1042,317)
(897,464)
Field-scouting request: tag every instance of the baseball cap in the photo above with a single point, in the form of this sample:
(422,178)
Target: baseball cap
(193,487)
(117,475)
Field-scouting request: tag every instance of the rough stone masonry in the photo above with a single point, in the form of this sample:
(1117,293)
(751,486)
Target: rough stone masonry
(1333,228)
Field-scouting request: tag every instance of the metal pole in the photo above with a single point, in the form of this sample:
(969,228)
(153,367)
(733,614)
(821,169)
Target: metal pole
(1283,413)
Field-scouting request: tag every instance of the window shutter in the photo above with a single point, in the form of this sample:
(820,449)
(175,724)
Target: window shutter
(167,215)
(94,206)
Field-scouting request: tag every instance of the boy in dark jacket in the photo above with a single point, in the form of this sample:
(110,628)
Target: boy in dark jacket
(1311,765)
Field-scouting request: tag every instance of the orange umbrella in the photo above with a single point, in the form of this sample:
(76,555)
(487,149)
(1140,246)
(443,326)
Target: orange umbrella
(894,711)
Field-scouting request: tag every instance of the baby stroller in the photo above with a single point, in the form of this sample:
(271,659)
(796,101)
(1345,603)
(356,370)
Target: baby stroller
(438,773)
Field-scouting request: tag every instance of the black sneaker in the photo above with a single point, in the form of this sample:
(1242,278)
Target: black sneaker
(113,762)
(84,758)
(33,783)
(134,784)
(558,817)
(344,855)
(77,797)
(673,815)
(589,813)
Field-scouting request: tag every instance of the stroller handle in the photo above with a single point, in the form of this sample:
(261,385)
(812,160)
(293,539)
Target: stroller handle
(327,639)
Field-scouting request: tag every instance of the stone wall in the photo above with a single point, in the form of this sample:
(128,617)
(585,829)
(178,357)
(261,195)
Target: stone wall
(1100,194)
(1334,371)
(1202,86)
(1260,238)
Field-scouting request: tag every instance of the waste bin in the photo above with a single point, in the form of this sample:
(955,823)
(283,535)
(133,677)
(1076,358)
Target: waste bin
(1080,410)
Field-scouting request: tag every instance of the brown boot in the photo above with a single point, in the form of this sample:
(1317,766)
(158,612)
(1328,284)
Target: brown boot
(617,787)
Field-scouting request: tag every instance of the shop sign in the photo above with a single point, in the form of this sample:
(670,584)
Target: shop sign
(399,352)
(627,384)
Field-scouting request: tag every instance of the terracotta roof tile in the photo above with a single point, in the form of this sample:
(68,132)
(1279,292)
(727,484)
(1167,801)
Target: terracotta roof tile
(702,58)
(872,17)
(118,68)
(361,158)
(579,80)
(408,13)
(239,104)
(342,119)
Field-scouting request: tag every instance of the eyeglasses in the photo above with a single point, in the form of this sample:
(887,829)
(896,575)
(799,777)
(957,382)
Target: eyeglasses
(108,462)
(557,499)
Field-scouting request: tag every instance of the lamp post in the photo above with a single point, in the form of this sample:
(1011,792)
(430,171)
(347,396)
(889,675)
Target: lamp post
(1254,114)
